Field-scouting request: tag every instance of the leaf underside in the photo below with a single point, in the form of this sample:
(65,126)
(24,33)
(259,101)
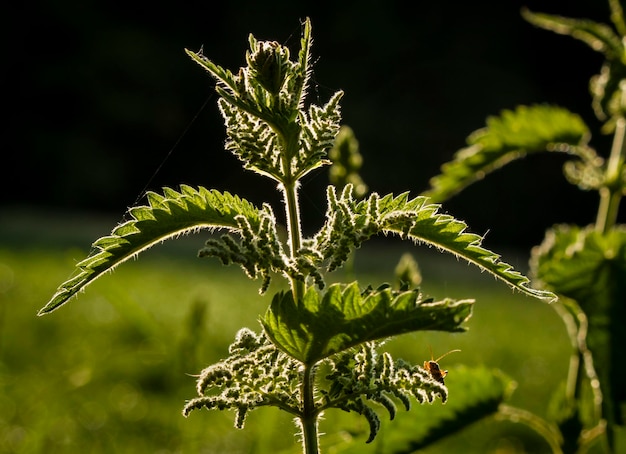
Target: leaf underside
(166,216)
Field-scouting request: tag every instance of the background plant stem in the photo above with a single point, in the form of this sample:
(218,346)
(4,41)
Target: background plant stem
(611,194)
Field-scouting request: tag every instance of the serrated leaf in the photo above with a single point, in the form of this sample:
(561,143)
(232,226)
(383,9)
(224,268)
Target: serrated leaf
(583,265)
(342,318)
(510,136)
(420,221)
(478,392)
(166,216)
(590,268)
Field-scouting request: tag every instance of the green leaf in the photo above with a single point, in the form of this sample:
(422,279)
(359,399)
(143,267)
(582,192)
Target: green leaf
(478,393)
(590,268)
(343,317)
(350,223)
(358,378)
(600,37)
(165,216)
(510,136)
(254,375)
(605,87)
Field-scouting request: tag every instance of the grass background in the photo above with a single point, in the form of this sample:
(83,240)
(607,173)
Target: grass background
(111,371)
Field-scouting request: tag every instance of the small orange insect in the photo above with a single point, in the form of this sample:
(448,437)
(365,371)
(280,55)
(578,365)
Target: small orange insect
(432,366)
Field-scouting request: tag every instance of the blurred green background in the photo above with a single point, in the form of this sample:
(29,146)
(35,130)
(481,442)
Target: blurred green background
(101,104)
(111,371)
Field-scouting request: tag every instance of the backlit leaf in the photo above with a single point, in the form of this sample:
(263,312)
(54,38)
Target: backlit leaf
(510,136)
(350,223)
(343,317)
(169,215)
(590,268)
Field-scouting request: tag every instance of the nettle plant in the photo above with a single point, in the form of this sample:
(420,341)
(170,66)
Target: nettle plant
(584,266)
(319,344)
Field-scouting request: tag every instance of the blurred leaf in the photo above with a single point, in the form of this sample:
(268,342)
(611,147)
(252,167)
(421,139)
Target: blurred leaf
(617,16)
(475,393)
(590,268)
(346,162)
(600,37)
(408,271)
(166,216)
(565,411)
(586,174)
(512,135)
(607,92)
(344,318)
(605,87)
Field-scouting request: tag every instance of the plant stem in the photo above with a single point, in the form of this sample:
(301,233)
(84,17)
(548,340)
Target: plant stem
(547,430)
(289,136)
(611,192)
(574,374)
(309,415)
(292,209)
(586,364)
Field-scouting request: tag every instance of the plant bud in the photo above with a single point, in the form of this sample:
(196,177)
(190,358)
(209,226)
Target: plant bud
(269,65)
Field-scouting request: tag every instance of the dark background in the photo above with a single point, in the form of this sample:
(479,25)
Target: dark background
(101,102)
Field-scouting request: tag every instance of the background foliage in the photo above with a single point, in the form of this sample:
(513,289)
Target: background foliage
(71,383)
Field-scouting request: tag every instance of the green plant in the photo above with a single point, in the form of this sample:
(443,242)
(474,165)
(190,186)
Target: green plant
(318,348)
(585,266)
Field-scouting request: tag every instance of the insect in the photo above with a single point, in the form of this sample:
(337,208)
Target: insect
(432,366)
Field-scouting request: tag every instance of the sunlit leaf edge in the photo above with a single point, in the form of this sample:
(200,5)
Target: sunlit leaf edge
(166,216)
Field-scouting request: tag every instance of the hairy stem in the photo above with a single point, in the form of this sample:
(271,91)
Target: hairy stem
(292,209)
(308,419)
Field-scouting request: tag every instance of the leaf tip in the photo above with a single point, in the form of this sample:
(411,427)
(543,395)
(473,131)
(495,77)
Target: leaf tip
(543,295)
(51,306)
